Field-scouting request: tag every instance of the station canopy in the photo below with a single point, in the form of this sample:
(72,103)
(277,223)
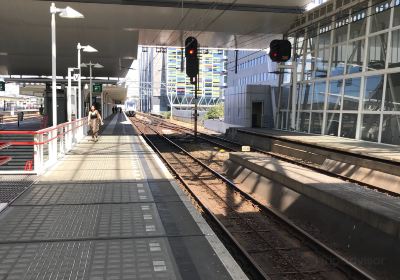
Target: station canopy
(116,28)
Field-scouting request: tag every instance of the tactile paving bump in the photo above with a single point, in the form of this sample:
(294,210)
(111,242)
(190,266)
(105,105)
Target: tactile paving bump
(115,192)
(12,185)
(27,223)
(110,259)
(91,175)
(102,149)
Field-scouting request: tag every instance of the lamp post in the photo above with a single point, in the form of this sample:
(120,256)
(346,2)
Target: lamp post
(95,65)
(86,48)
(67,12)
(69,93)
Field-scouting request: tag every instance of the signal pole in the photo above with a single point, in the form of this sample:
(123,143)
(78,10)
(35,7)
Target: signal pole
(192,70)
(196,85)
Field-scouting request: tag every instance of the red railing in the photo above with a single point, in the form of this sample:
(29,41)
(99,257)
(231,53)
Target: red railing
(68,134)
(40,132)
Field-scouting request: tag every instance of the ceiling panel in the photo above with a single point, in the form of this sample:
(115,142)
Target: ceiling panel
(117,29)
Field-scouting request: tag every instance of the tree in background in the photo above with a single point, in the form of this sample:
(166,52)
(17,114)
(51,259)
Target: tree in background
(215,112)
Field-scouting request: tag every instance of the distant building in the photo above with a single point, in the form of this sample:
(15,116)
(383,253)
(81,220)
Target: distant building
(252,89)
(163,84)
(152,81)
(212,79)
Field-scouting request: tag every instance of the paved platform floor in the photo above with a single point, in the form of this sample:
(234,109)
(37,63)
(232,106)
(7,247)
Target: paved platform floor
(26,124)
(109,210)
(389,152)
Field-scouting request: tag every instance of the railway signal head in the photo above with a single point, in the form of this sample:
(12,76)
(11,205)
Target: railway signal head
(280,50)
(192,60)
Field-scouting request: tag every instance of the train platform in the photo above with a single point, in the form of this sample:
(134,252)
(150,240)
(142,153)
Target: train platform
(345,214)
(31,123)
(109,210)
(373,208)
(375,165)
(357,147)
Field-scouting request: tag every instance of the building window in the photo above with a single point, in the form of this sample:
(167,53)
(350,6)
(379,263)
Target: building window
(324,40)
(396,15)
(305,97)
(309,66)
(373,93)
(355,56)
(340,33)
(334,95)
(358,21)
(332,124)
(304,121)
(392,95)
(351,94)
(316,123)
(349,125)
(319,96)
(322,61)
(395,49)
(338,60)
(370,128)
(391,129)
(380,17)
(284,121)
(285,97)
(377,52)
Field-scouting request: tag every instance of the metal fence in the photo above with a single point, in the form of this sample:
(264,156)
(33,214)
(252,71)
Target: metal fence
(49,145)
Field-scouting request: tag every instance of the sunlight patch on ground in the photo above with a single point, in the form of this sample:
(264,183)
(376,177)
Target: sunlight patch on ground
(167,131)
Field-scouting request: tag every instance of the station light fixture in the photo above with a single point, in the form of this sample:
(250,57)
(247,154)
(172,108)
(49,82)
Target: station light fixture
(87,48)
(67,12)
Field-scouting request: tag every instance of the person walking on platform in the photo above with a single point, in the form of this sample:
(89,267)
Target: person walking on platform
(94,121)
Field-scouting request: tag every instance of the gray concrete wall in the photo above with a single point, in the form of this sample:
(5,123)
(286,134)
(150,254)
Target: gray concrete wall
(187,115)
(218,125)
(238,106)
(332,226)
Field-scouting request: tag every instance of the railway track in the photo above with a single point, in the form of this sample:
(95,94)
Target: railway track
(271,246)
(236,147)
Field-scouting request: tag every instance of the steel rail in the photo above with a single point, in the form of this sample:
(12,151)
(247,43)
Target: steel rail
(310,238)
(287,159)
(260,274)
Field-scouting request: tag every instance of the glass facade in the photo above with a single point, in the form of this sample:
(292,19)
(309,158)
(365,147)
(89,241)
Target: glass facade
(349,75)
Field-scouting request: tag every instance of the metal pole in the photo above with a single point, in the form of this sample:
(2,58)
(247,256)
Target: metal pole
(53,64)
(79,83)
(102,104)
(195,105)
(294,96)
(69,93)
(90,89)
